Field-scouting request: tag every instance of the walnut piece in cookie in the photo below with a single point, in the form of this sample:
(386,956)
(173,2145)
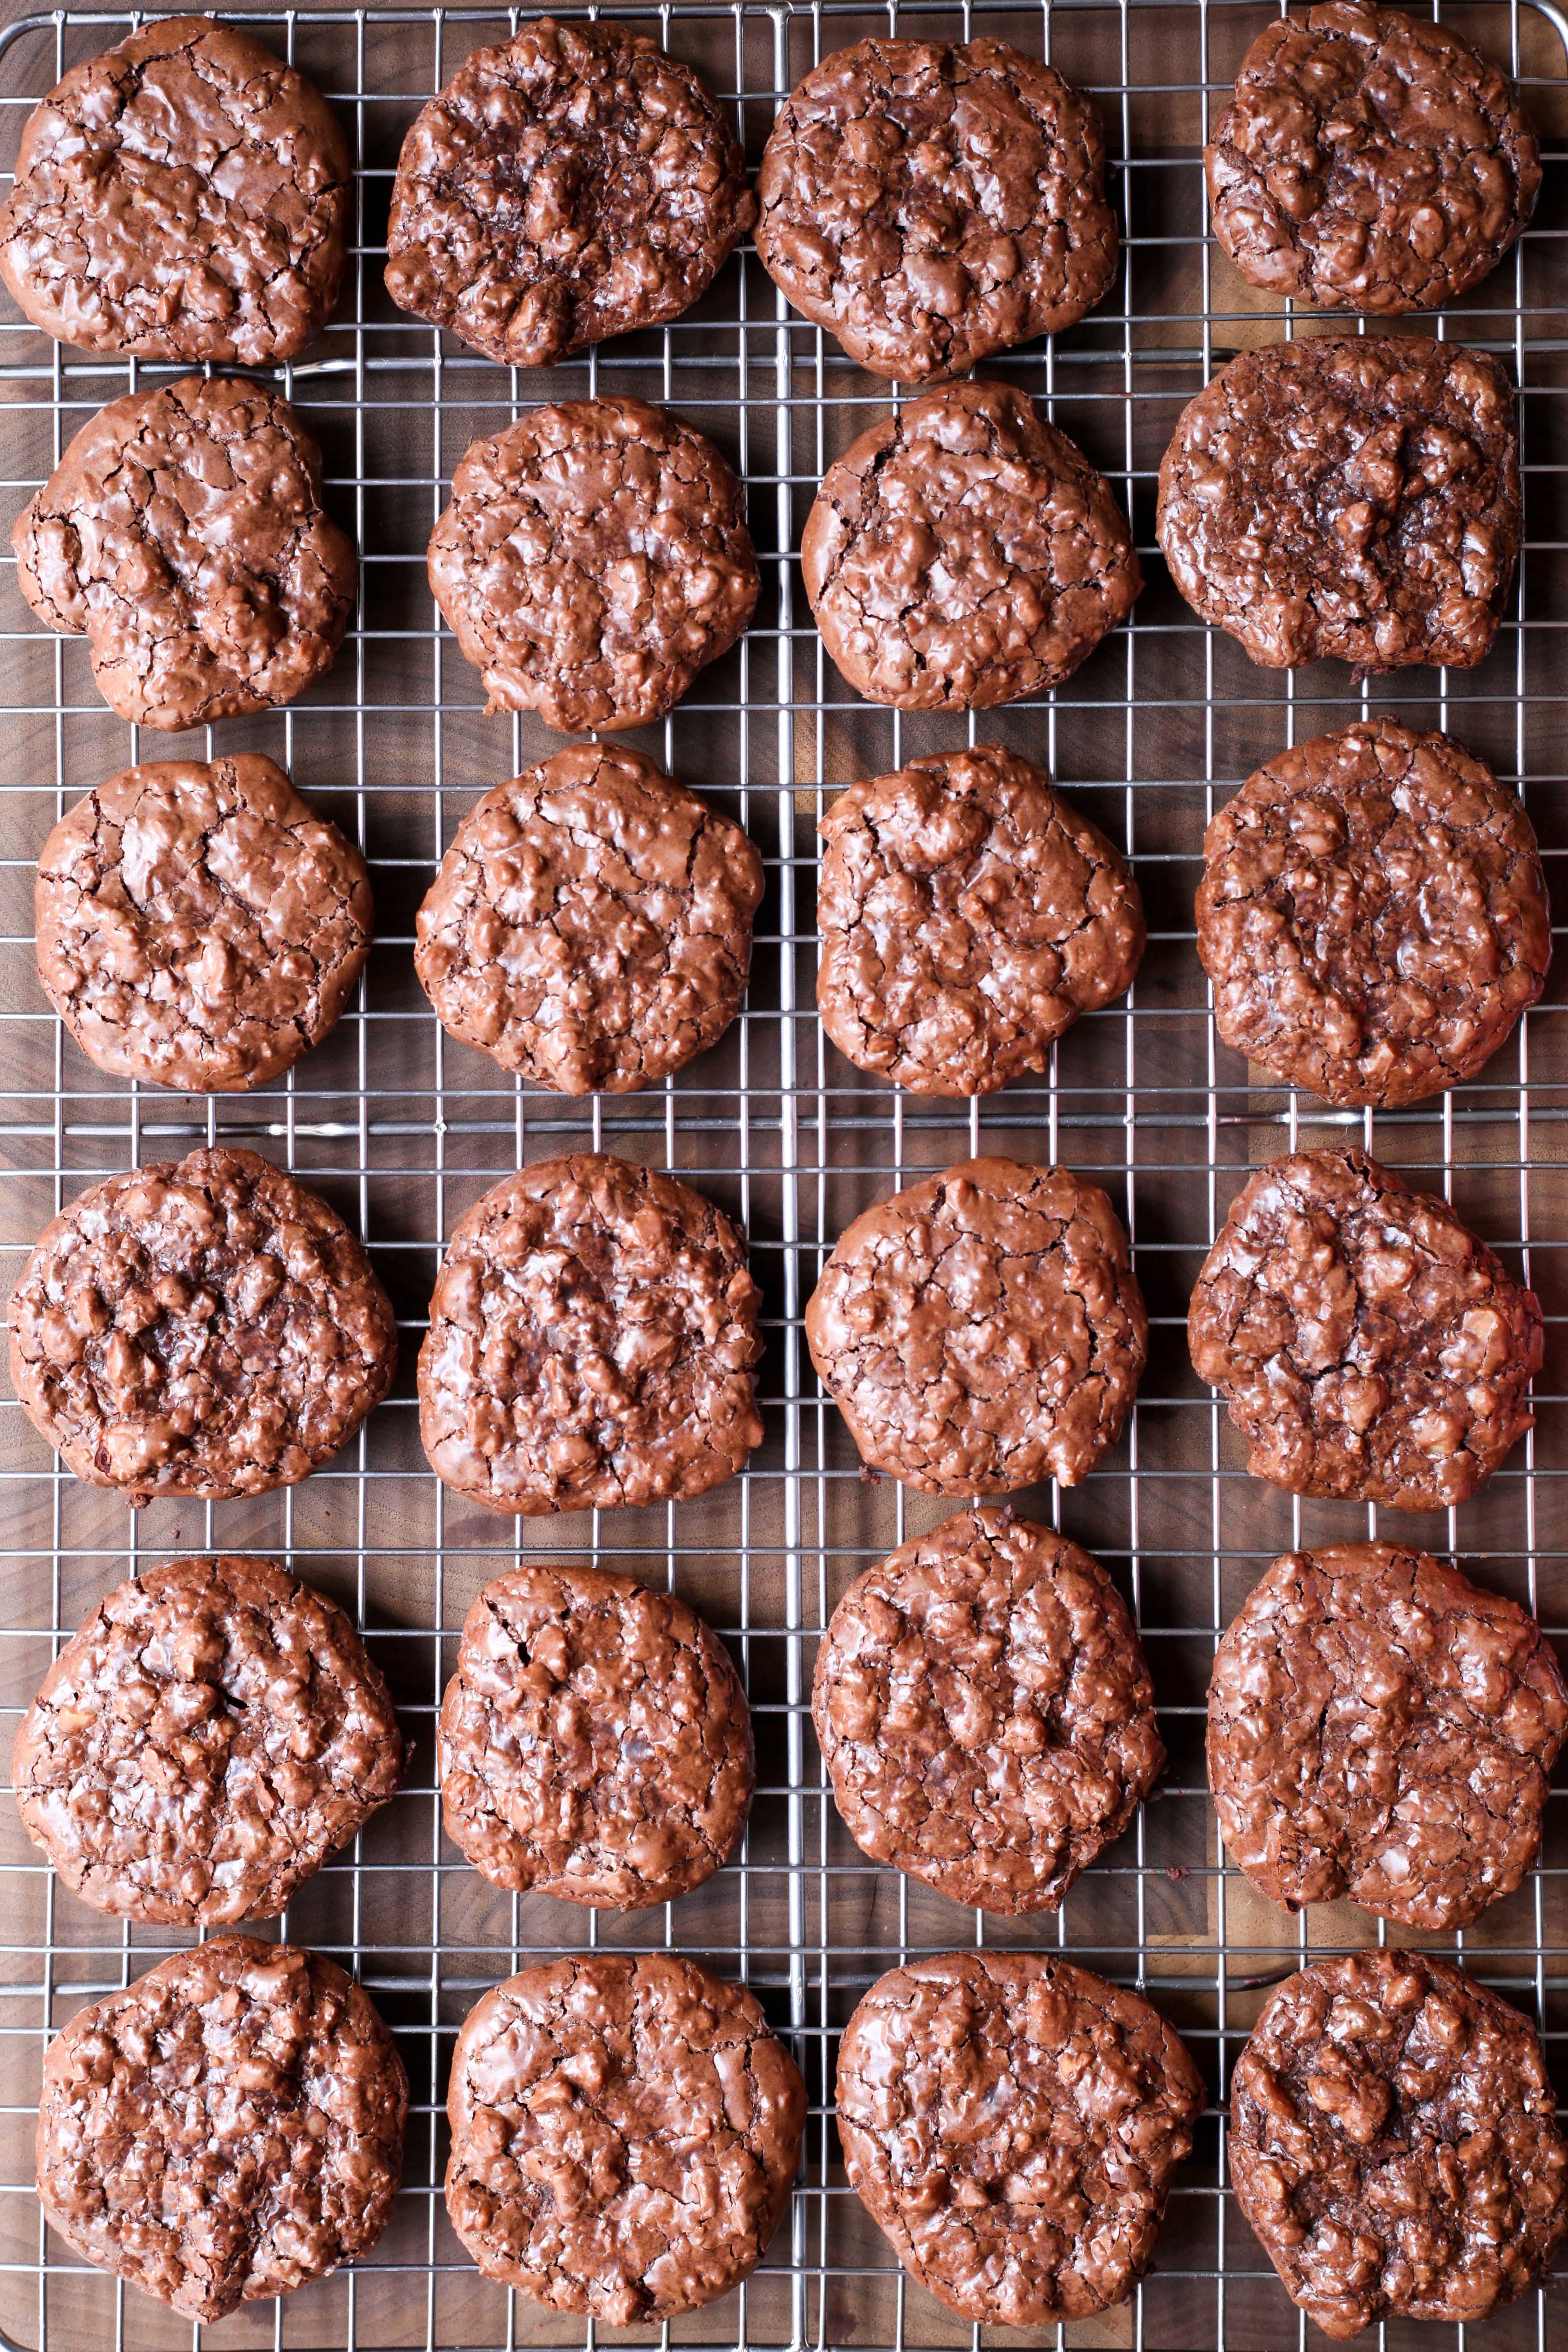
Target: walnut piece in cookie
(968,915)
(593,558)
(1380,1727)
(1354,500)
(983,1329)
(1012,2123)
(183,533)
(595,1743)
(593,1334)
(571,183)
(1394,2142)
(1373,914)
(211,1733)
(184,195)
(1370,160)
(591,925)
(933,203)
(200,1327)
(624,2135)
(984,1711)
(1367,1344)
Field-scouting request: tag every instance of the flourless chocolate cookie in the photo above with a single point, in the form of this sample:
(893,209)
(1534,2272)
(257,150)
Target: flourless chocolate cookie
(213,1732)
(1013,2124)
(963,553)
(183,533)
(594,1742)
(591,925)
(1372,915)
(982,1330)
(185,197)
(624,2135)
(968,915)
(1380,1727)
(933,203)
(984,1711)
(1392,2143)
(198,925)
(565,185)
(1369,161)
(1367,1344)
(592,1340)
(200,1327)
(229,2126)
(1359,499)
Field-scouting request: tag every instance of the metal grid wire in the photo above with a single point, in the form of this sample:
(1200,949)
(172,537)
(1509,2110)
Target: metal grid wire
(402,1129)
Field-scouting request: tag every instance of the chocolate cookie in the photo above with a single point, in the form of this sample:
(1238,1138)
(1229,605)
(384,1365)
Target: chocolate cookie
(1372,915)
(183,533)
(591,1338)
(183,196)
(229,2126)
(198,926)
(213,1732)
(593,558)
(594,1742)
(591,925)
(624,2135)
(1013,2123)
(1367,1344)
(963,553)
(1369,161)
(935,202)
(984,1711)
(1358,499)
(968,916)
(1392,2143)
(981,1330)
(567,184)
(200,1327)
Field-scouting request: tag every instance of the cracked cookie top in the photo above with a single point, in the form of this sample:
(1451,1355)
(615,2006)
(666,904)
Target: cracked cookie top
(591,925)
(963,553)
(624,2135)
(1367,1344)
(968,915)
(1373,916)
(933,203)
(183,196)
(982,1330)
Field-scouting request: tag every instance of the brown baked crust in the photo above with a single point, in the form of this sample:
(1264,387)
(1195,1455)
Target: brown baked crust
(591,925)
(1012,2123)
(1373,914)
(967,916)
(983,1329)
(963,553)
(984,1711)
(1366,1343)
(183,533)
(1380,1727)
(593,1333)
(1392,2143)
(1369,161)
(198,925)
(200,1327)
(184,195)
(933,203)
(595,1743)
(1354,500)
(625,2132)
(211,1733)
(229,2126)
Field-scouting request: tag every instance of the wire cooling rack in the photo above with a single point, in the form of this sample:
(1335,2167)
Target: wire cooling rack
(402,1129)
